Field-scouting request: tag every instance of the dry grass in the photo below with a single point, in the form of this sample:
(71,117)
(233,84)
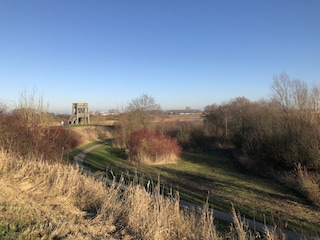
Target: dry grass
(91,133)
(53,201)
(305,182)
(159,160)
(308,186)
(239,229)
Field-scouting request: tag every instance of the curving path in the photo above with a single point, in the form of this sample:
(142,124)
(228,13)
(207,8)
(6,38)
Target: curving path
(79,159)
(220,215)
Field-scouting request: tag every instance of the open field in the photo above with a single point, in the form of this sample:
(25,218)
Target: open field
(218,177)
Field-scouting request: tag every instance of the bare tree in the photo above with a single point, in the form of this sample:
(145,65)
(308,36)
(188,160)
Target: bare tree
(315,103)
(282,90)
(138,115)
(32,120)
(32,111)
(210,108)
(217,121)
(315,98)
(294,94)
(300,94)
(123,131)
(142,111)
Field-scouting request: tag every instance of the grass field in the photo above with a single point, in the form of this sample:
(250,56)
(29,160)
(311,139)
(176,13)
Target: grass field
(218,177)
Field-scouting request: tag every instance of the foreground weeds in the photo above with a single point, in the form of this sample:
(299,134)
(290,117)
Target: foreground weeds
(39,200)
(308,185)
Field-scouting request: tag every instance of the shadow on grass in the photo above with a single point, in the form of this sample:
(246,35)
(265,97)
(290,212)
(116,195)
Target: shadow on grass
(220,158)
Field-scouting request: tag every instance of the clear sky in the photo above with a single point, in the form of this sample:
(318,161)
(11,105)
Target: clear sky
(180,52)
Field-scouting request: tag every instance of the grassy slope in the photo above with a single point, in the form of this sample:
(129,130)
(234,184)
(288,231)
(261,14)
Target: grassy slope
(43,201)
(54,201)
(218,176)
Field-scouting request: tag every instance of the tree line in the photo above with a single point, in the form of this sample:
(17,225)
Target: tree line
(281,134)
(277,138)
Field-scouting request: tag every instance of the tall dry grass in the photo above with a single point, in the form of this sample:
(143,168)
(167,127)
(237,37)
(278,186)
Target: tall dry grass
(308,184)
(157,160)
(53,201)
(90,134)
(305,182)
(39,200)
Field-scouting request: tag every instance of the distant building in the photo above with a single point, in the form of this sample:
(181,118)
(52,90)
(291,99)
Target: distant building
(184,112)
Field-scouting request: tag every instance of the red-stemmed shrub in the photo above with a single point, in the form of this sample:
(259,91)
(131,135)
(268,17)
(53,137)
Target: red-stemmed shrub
(48,142)
(57,140)
(152,148)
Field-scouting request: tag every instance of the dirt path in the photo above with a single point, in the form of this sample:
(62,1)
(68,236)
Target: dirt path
(220,215)
(79,159)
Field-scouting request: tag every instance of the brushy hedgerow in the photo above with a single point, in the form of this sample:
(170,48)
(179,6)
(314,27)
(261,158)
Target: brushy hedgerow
(149,147)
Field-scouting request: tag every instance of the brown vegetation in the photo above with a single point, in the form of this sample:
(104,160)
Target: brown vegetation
(88,134)
(140,114)
(34,139)
(151,148)
(273,138)
(39,200)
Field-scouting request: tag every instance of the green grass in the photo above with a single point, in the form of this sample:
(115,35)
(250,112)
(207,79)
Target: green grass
(10,228)
(218,177)
(70,155)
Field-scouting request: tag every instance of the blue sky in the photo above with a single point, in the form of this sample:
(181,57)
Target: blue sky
(180,52)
